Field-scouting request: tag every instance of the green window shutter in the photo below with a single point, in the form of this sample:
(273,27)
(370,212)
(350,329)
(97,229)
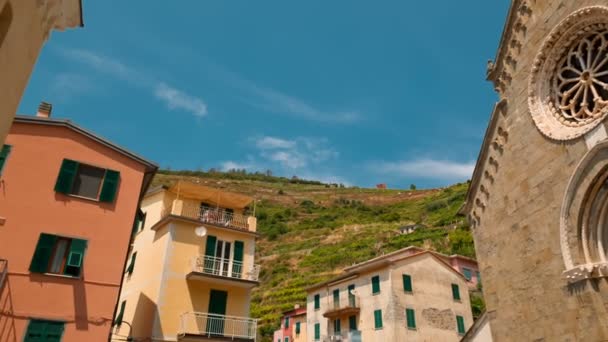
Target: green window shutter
(478,276)
(375,284)
(110,186)
(237,267)
(75,257)
(35,331)
(351,297)
(317,302)
(67,173)
(337,326)
(378,319)
(460,324)
(210,246)
(297,328)
(132,264)
(286,339)
(467,273)
(286,322)
(6,150)
(411,318)
(317,331)
(407,283)
(42,255)
(455,292)
(337,297)
(136,225)
(54,331)
(352,322)
(121,313)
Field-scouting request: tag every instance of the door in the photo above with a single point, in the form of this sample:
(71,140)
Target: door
(217,312)
(222,255)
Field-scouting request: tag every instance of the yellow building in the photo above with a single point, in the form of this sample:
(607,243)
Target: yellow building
(396,297)
(191,267)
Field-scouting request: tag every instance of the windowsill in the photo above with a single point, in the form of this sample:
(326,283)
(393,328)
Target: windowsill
(409,292)
(375,294)
(58,275)
(413,329)
(458,300)
(377,329)
(96,200)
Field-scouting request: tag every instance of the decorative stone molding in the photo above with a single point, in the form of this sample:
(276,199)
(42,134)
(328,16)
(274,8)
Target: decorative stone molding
(584,218)
(58,15)
(568,85)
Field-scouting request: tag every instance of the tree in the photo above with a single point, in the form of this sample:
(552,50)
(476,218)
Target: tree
(412,186)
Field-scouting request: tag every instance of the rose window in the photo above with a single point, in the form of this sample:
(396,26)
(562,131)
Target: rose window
(581,81)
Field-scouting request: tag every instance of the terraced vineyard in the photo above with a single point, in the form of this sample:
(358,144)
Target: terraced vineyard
(310,231)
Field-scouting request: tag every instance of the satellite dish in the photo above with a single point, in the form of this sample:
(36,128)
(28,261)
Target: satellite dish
(353,292)
(200,231)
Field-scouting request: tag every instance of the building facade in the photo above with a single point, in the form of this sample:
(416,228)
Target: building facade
(191,268)
(537,201)
(293,326)
(396,297)
(24,27)
(68,200)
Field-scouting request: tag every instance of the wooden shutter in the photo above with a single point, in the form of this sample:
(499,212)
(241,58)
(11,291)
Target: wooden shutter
(75,257)
(110,186)
(411,318)
(42,254)
(351,297)
(297,328)
(210,246)
(336,297)
(54,331)
(337,326)
(460,324)
(317,331)
(132,264)
(407,283)
(378,319)
(375,284)
(67,173)
(352,322)
(455,292)
(35,331)
(6,150)
(237,267)
(286,322)
(317,301)
(121,313)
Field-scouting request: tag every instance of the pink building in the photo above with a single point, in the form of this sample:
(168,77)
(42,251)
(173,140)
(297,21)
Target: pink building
(293,326)
(69,200)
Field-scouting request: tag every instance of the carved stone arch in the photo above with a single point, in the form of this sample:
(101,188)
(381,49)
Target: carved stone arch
(584,218)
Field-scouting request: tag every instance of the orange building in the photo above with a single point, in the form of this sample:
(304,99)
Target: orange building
(68,203)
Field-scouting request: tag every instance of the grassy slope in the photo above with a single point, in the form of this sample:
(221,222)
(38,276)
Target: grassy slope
(310,232)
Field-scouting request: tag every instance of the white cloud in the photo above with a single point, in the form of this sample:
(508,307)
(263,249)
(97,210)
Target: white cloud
(174,98)
(65,86)
(427,168)
(274,143)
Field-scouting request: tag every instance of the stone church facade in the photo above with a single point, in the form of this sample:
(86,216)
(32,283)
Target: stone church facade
(538,202)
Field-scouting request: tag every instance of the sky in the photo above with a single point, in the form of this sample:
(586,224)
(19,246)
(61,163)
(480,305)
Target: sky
(347,91)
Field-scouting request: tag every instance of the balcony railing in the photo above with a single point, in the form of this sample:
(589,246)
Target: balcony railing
(215,216)
(225,268)
(342,308)
(3,272)
(212,325)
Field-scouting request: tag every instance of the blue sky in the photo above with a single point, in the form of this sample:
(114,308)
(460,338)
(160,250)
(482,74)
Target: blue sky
(358,92)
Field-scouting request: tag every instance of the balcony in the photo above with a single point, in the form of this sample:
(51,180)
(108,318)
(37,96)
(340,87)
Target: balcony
(219,217)
(342,308)
(204,265)
(200,326)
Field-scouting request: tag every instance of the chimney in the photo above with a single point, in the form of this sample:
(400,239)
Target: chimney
(44,110)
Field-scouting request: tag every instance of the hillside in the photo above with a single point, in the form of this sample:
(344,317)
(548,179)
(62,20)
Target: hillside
(310,230)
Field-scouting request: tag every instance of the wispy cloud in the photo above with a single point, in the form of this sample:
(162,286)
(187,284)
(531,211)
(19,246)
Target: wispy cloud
(426,168)
(174,98)
(273,143)
(65,86)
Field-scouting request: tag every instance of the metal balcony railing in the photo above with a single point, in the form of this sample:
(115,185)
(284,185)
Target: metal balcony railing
(3,272)
(225,268)
(216,216)
(212,325)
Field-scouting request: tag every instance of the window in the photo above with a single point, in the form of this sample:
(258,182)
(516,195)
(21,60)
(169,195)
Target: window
(40,330)
(132,263)
(460,325)
(337,327)
(58,255)
(317,331)
(336,298)
(286,339)
(297,328)
(6,150)
(478,276)
(286,322)
(375,284)
(410,316)
(351,296)
(140,221)
(87,181)
(317,302)
(407,283)
(455,292)
(378,319)
(467,273)
(219,256)
(121,313)
(352,322)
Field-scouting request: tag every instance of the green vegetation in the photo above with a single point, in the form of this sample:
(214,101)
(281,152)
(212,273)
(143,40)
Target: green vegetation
(310,231)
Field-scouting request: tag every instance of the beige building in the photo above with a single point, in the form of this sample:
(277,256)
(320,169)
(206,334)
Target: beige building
(396,297)
(191,267)
(24,27)
(538,197)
